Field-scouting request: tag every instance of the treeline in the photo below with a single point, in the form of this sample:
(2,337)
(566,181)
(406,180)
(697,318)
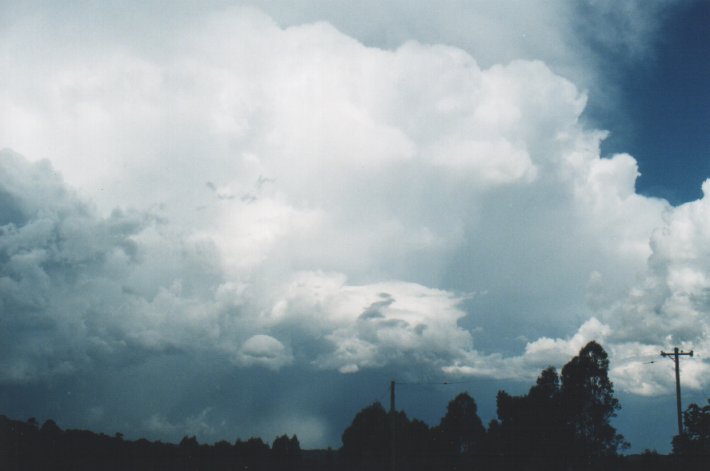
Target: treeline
(562,423)
(27,446)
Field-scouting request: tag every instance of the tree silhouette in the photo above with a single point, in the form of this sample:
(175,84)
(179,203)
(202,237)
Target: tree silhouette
(286,451)
(252,452)
(366,440)
(694,445)
(531,432)
(563,421)
(588,404)
(458,439)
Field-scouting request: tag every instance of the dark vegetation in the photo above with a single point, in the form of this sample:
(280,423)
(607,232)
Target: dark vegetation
(562,423)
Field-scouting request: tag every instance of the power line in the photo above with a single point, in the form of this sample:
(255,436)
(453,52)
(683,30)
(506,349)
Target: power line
(634,358)
(433,383)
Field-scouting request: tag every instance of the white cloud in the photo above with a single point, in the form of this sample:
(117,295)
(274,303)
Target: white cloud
(375,324)
(668,306)
(665,306)
(263,350)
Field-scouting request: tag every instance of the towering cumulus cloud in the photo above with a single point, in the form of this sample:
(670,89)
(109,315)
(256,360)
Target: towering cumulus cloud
(290,199)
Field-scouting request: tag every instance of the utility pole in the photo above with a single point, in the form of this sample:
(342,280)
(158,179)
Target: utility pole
(393,422)
(676,354)
(392,408)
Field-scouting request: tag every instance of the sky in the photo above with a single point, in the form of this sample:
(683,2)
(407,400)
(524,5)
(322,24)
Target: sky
(233,219)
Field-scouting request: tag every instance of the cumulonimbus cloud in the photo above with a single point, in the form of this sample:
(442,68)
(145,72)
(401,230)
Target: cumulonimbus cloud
(291,187)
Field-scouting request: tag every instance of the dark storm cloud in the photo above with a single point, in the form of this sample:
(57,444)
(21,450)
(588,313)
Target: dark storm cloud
(52,251)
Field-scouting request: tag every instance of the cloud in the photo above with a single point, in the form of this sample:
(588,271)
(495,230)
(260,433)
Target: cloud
(665,306)
(290,199)
(263,350)
(381,165)
(375,324)
(668,306)
(52,247)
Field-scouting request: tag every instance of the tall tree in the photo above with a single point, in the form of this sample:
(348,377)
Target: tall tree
(564,420)
(531,431)
(694,444)
(366,440)
(459,438)
(588,404)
